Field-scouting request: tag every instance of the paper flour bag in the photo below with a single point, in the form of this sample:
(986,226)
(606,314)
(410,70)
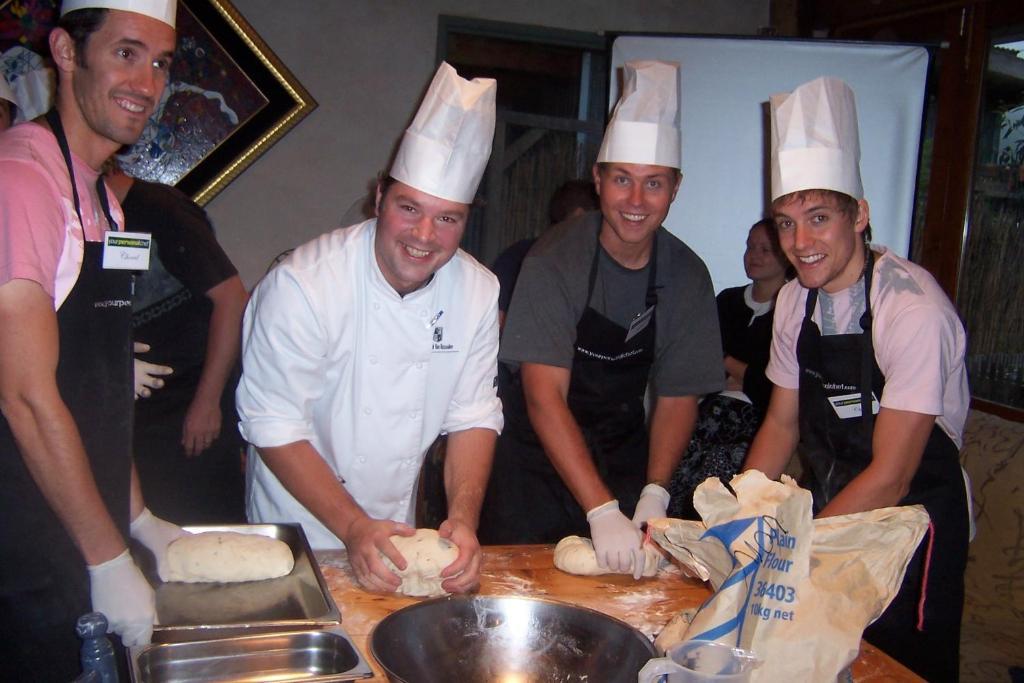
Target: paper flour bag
(795,591)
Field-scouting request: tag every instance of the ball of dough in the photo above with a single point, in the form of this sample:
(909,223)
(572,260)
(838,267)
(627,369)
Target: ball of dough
(426,554)
(226,556)
(575,555)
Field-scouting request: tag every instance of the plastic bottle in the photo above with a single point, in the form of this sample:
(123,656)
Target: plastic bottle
(97,652)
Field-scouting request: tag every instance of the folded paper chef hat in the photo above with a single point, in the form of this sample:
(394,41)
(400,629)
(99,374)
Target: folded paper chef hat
(445,150)
(161,10)
(814,140)
(5,91)
(645,124)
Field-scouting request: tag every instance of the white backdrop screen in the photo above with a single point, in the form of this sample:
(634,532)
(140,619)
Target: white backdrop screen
(725,85)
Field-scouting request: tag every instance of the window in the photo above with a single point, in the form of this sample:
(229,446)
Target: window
(968,228)
(552,102)
(991,282)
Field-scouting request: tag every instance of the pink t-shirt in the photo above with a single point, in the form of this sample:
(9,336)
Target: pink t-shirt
(40,235)
(918,338)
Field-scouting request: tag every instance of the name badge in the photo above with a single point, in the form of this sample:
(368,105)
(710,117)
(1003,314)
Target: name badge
(640,323)
(126,250)
(848,405)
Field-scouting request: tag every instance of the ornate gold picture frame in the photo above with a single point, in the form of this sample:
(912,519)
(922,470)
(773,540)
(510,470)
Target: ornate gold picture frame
(228,99)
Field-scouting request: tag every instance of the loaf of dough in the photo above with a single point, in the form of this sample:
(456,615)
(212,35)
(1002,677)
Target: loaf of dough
(426,554)
(227,557)
(575,555)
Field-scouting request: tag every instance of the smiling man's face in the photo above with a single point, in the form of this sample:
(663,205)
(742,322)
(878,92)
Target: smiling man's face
(635,199)
(821,238)
(118,82)
(417,233)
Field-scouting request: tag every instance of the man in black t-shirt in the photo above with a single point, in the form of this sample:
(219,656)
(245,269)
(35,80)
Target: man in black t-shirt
(188,308)
(603,305)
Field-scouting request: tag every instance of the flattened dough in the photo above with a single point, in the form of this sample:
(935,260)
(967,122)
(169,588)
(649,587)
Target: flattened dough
(575,555)
(426,554)
(226,557)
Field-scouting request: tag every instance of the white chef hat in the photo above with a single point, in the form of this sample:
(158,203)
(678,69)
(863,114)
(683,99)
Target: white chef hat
(445,151)
(645,124)
(814,140)
(161,10)
(5,91)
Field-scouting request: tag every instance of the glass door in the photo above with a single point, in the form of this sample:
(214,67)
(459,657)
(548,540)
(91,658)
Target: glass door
(990,294)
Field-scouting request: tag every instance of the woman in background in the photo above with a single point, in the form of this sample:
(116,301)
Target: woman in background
(728,420)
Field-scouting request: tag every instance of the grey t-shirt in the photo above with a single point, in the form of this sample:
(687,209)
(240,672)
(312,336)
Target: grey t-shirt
(551,295)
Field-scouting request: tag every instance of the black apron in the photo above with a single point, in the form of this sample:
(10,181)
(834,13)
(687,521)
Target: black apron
(835,450)
(44,584)
(527,501)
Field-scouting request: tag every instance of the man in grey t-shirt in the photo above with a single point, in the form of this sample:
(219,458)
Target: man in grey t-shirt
(602,306)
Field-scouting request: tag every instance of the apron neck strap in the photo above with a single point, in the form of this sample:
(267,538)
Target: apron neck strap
(652,289)
(867,350)
(53,119)
(651,297)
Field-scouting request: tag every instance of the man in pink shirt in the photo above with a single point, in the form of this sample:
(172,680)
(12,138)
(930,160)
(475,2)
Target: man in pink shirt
(68,496)
(867,361)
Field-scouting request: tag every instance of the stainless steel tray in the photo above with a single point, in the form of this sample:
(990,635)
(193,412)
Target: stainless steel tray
(201,611)
(315,656)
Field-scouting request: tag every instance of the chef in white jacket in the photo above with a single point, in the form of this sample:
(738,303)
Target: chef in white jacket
(368,342)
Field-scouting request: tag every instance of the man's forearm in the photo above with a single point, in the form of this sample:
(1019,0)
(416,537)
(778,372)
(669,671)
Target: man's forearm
(45,431)
(310,480)
(778,436)
(467,466)
(672,426)
(137,502)
(55,457)
(898,446)
(735,368)
(546,389)
(224,339)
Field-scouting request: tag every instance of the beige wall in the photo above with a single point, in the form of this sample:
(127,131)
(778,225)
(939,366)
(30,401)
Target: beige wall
(366,62)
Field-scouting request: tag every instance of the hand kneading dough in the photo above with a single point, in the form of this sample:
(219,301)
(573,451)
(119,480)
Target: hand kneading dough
(426,554)
(575,555)
(227,557)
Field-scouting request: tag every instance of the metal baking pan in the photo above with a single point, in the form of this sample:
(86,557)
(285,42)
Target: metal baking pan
(201,611)
(316,656)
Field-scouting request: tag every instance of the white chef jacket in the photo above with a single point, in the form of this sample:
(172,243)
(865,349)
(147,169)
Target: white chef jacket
(333,355)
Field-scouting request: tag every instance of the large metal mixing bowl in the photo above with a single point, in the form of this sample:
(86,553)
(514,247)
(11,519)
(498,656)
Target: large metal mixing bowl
(506,640)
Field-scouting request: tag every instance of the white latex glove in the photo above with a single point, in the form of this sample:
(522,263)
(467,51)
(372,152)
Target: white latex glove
(616,540)
(121,592)
(653,504)
(147,375)
(156,534)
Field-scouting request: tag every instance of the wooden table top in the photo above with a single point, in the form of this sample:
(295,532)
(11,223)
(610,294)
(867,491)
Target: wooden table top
(529,571)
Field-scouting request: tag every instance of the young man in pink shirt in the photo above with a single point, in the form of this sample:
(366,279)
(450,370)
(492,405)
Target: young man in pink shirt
(68,495)
(867,361)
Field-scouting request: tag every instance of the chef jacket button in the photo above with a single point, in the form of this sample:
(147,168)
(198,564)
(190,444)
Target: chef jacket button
(362,458)
(367,411)
(376,306)
(373,360)
(419,366)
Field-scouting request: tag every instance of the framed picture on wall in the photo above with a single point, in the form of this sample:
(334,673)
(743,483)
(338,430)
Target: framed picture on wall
(228,98)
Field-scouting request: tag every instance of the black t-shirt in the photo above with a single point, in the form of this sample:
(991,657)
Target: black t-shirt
(747,340)
(170,310)
(507,267)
